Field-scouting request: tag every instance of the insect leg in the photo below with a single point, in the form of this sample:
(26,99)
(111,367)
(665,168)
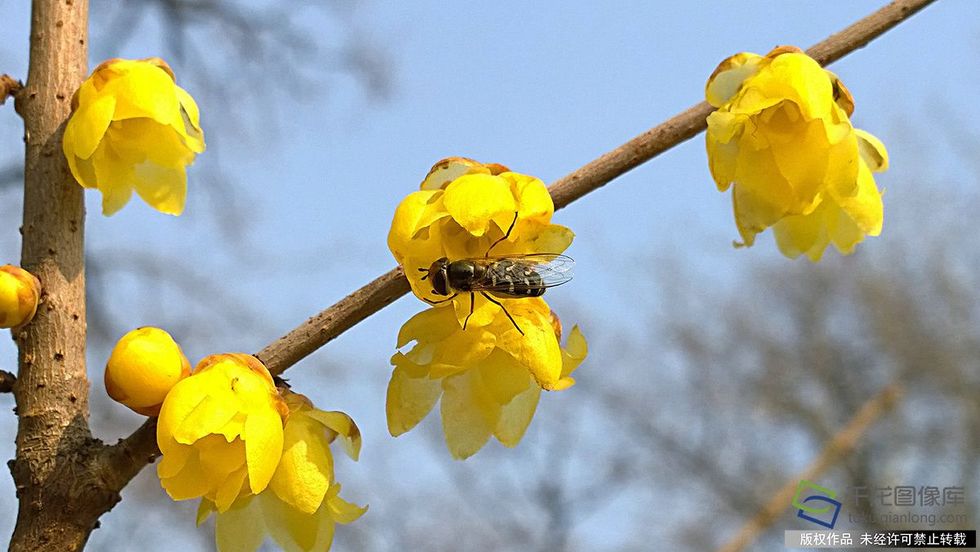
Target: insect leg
(431,302)
(499,304)
(471,312)
(504,237)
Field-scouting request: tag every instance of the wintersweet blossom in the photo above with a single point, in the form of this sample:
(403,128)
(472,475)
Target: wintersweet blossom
(463,208)
(131,128)
(20,292)
(221,431)
(144,366)
(782,139)
(301,505)
(486,356)
(489,378)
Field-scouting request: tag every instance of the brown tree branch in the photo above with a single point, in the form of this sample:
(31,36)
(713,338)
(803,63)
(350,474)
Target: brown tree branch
(9,86)
(839,446)
(52,389)
(7,381)
(131,454)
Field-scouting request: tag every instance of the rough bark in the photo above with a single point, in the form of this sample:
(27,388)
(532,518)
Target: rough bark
(51,390)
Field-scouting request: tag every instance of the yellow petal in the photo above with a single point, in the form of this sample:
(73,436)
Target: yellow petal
(799,234)
(533,199)
(173,459)
(409,400)
(476,200)
(291,529)
(554,238)
(503,376)
(144,90)
(263,447)
(727,78)
(538,348)
(204,510)
(191,121)
(191,482)
(574,352)
(305,471)
(206,417)
(464,347)
(429,326)
(340,510)
(87,126)
(344,426)
(872,151)
(516,416)
(162,188)
(241,528)
(229,490)
(469,414)
(446,170)
(83,170)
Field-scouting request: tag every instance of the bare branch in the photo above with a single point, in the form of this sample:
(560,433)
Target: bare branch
(837,448)
(7,381)
(9,86)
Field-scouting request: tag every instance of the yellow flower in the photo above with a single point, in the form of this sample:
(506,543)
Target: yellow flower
(488,364)
(463,208)
(221,431)
(782,139)
(144,366)
(131,128)
(302,504)
(20,292)
(489,377)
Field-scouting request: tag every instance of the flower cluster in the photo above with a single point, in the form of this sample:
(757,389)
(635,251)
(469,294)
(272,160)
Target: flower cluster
(782,139)
(487,357)
(258,456)
(133,128)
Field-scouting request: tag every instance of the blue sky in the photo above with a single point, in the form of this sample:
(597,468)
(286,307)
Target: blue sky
(541,87)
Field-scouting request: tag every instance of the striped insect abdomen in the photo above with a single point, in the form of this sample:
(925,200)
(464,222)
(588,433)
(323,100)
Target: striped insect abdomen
(513,280)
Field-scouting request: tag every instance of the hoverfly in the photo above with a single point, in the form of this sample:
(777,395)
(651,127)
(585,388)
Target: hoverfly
(507,277)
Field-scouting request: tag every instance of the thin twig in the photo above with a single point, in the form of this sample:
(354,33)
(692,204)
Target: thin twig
(331,322)
(839,446)
(328,324)
(9,86)
(7,381)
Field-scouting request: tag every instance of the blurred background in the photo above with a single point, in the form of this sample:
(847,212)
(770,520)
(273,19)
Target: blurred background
(715,375)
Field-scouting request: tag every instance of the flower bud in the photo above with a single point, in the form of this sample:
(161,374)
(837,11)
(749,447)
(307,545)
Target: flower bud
(144,365)
(19,294)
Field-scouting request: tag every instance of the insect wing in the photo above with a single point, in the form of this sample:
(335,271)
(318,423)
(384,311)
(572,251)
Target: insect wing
(538,270)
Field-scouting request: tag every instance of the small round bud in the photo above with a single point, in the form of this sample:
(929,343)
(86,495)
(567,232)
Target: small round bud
(144,365)
(20,292)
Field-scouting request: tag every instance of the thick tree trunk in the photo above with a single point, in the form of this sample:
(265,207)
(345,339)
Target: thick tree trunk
(51,391)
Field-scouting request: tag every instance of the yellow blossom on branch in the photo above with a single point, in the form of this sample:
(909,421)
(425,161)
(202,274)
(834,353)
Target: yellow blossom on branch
(301,505)
(133,128)
(144,366)
(20,292)
(782,139)
(463,208)
(466,242)
(221,431)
